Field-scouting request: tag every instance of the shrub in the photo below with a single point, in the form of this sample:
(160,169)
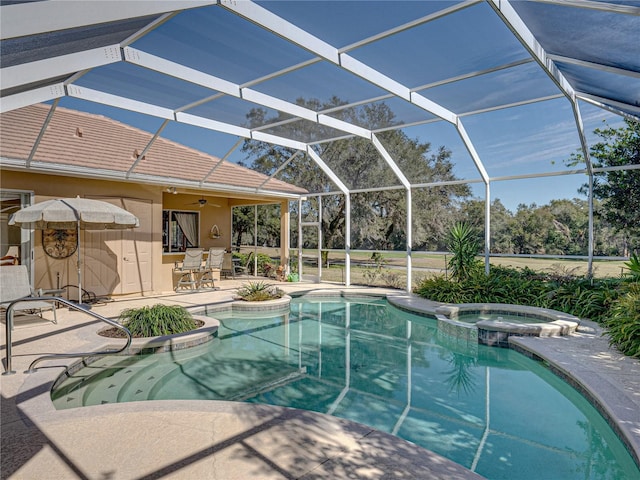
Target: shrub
(259,291)
(614,303)
(578,296)
(157,320)
(392,279)
(633,265)
(624,322)
(265,263)
(583,297)
(373,272)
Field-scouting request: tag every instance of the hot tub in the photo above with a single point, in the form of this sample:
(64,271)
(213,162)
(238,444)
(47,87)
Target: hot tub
(495,322)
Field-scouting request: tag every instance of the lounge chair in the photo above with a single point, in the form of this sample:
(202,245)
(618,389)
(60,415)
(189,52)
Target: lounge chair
(189,268)
(212,265)
(15,284)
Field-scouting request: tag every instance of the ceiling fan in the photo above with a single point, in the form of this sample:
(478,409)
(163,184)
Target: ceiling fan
(202,202)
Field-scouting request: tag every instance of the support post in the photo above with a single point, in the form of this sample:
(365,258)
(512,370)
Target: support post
(591,230)
(347,239)
(409,239)
(285,234)
(487,226)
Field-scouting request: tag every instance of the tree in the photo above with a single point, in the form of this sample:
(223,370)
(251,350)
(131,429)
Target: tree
(532,230)
(619,190)
(243,222)
(472,212)
(571,227)
(378,217)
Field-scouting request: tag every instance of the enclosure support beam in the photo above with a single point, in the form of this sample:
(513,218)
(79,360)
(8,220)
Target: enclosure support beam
(472,151)
(347,240)
(43,129)
(591,228)
(285,238)
(347,224)
(589,167)
(222,160)
(407,185)
(319,197)
(147,148)
(487,227)
(409,239)
(300,237)
(279,169)
(255,240)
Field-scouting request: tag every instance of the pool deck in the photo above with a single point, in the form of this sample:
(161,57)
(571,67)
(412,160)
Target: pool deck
(227,440)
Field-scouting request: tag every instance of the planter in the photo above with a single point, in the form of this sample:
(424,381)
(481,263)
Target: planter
(265,305)
(167,343)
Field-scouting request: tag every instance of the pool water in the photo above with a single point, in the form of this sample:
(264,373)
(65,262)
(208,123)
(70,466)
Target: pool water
(499,317)
(492,410)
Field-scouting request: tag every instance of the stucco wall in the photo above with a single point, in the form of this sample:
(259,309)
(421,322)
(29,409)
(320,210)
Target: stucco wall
(50,272)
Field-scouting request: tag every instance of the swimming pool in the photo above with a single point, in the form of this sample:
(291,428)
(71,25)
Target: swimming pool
(492,410)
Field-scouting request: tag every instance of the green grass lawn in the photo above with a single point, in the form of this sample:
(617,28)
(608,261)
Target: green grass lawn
(430,264)
(434,264)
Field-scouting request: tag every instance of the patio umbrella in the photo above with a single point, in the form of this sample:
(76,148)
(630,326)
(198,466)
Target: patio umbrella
(74,213)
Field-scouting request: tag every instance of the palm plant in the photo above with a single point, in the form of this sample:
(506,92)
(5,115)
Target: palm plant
(464,246)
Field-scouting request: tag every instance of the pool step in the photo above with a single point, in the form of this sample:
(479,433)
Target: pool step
(72,391)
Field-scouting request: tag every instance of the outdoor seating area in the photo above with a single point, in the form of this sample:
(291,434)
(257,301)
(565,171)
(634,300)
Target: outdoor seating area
(196,271)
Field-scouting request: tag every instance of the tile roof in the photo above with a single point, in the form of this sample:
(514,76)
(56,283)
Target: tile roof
(95,142)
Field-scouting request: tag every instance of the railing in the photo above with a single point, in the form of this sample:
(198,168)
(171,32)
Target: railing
(73,306)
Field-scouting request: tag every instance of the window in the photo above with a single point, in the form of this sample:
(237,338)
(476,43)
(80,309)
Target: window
(14,241)
(180,230)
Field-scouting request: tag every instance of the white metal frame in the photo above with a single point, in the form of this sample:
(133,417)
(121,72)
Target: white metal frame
(40,17)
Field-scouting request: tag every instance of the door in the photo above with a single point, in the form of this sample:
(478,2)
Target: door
(119,262)
(136,249)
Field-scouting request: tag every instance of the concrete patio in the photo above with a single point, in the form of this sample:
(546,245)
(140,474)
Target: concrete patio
(226,440)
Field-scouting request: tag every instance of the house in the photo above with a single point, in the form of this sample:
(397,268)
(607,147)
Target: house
(182,197)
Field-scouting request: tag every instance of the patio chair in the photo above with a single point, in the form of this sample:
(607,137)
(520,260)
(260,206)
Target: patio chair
(227,265)
(189,269)
(15,284)
(242,269)
(212,265)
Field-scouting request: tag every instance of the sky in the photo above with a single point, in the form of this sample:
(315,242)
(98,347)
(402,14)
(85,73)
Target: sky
(538,139)
(526,139)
